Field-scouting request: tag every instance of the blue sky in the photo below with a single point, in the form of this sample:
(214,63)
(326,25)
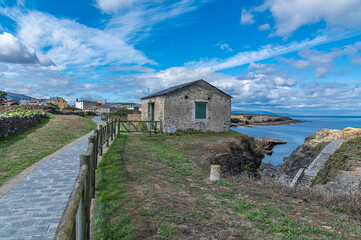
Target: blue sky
(282,56)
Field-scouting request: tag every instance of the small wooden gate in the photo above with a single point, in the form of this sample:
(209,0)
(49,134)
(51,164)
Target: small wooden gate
(140,126)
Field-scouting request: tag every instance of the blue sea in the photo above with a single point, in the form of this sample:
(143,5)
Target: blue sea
(294,134)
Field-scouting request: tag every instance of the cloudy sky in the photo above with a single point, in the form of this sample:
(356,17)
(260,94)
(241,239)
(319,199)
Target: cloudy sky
(281,56)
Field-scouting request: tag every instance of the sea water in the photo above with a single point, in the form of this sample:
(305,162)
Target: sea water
(294,134)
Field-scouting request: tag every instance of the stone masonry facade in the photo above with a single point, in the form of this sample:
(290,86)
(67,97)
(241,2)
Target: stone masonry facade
(177,109)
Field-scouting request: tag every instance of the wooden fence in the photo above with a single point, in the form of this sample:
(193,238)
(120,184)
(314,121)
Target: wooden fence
(75,220)
(140,126)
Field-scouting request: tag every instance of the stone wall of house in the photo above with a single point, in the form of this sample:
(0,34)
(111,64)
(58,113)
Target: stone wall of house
(158,106)
(178,109)
(13,108)
(10,125)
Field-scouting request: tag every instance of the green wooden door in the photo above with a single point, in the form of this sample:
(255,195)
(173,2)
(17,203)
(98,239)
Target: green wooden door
(152,111)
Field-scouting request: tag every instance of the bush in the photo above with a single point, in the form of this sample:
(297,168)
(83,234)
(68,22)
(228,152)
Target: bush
(21,113)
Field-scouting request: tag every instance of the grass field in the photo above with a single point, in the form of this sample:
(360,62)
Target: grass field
(23,149)
(156,187)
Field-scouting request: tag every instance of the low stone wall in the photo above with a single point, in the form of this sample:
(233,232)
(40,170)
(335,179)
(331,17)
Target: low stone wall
(10,125)
(14,108)
(134,117)
(70,112)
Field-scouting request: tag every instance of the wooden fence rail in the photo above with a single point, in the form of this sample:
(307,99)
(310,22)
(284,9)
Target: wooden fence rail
(75,220)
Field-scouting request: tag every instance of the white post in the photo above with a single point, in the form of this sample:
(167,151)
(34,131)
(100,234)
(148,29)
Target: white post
(215,173)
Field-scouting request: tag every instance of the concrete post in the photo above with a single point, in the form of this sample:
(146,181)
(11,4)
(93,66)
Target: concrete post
(215,173)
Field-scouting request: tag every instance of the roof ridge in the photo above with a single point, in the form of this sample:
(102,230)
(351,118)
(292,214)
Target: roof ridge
(179,86)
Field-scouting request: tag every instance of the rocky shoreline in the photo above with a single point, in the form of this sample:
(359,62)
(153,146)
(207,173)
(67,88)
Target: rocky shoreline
(257,119)
(338,173)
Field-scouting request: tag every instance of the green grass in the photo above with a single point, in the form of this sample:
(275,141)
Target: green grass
(349,150)
(156,187)
(21,150)
(111,221)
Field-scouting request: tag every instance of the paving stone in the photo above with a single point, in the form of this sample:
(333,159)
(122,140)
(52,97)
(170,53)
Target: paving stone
(54,209)
(35,205)
(41,215)
(48,221)
(23,224)
(14,238)
(13,218)
(37,230)
(41,237)
(52,229)
(5,233)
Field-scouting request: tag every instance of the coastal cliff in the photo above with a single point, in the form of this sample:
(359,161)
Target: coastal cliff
(256,119)
(329,160)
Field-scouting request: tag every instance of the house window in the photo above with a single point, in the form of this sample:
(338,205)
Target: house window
(201,110)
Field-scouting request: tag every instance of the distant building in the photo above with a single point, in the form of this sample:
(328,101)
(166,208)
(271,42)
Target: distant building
(59,101)
(105,109)
(136,107)
(194,105)
(12,101)
(86,104)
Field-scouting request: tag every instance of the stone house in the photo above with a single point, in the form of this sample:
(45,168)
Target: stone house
(59,101)
(194,105)
(105,109)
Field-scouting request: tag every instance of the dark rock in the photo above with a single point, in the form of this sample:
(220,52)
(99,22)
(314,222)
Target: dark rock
(240,157)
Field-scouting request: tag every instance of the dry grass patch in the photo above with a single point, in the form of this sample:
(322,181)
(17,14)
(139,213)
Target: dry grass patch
(168,196)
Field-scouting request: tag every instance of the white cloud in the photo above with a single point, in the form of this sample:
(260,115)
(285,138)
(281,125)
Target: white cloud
(3,68)
(265,52)
(263,87)
(86,58)
(14,51)
(113,6)
(134,68)
(74,44)
(224,46)
(246,17)
(264,27)
(323,62)
(292,14)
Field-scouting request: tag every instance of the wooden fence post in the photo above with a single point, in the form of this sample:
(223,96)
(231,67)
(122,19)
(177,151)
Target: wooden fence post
(101,142)
(150,127)
(112,131)
(84,210)
(92,167)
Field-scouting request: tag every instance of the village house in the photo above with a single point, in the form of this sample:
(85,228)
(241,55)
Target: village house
(105,109)
(59,101)
(86,104)
(194,105)
(11,101)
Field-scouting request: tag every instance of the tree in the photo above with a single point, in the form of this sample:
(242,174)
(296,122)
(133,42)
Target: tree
(15,103)
(53,105)
(2,97)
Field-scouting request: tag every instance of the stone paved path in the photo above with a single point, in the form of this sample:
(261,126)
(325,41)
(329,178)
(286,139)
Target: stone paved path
(32,209)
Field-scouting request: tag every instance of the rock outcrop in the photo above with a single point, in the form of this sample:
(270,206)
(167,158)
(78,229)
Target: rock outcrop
(328,160)
(267,144)
(255,119)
